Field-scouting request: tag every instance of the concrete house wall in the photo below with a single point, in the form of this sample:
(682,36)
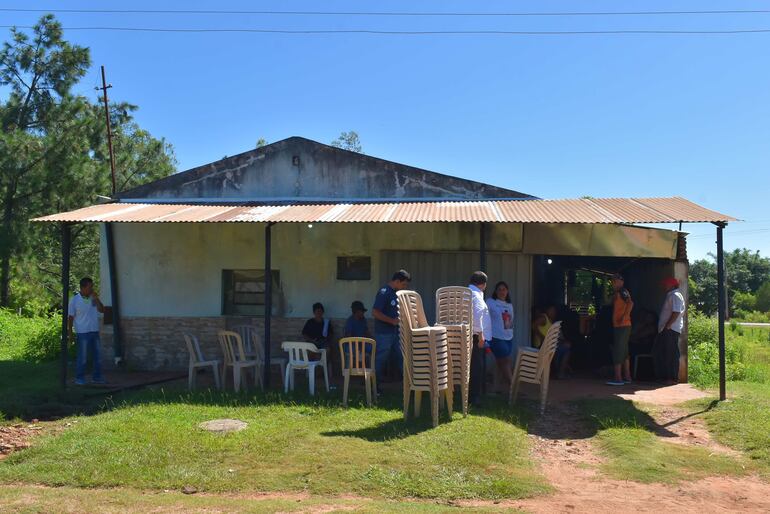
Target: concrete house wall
(170,275)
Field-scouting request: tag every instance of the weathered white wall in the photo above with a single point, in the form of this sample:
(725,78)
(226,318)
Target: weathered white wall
(176,269)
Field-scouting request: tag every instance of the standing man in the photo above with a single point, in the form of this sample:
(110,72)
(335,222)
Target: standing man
(622,304)
(385,313)
(665,351)
(482,332)
(83,314)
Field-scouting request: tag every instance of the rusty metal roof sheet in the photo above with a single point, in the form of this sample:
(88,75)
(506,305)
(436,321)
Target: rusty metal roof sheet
(584,210)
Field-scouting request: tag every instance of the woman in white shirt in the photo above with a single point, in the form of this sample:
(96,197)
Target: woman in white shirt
(501,314)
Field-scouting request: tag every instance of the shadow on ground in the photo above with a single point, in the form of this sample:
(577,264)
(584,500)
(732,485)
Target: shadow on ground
(576,410)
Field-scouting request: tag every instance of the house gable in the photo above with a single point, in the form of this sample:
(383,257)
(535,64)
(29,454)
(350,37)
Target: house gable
(298,168)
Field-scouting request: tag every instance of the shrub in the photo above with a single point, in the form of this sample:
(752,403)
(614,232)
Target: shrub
(703,352)
(763,297)
(753,316)
(28,338)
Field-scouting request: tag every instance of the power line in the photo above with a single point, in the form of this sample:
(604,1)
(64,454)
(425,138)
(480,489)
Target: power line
(392,13)
(732,232)
(414,32)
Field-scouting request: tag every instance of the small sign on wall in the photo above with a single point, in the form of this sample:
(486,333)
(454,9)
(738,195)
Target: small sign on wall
(354,268)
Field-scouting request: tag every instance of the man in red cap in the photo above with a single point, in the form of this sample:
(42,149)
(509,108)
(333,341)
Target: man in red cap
(670,325)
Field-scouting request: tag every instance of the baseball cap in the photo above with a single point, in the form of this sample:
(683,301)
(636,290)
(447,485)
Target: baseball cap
(357,306)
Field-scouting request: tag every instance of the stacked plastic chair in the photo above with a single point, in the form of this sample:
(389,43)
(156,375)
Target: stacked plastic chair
(454,310)
(426,357)
(533,365)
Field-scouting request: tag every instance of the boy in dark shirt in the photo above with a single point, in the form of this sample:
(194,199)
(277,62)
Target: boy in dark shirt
(317,330)
(356,325)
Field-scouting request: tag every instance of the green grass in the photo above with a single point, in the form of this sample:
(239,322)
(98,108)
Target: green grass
(743,422)
(634,446)
(319,448)
(24,338)
(33,499)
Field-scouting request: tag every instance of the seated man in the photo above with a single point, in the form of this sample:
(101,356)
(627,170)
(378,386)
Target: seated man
(318,330)
(356,325)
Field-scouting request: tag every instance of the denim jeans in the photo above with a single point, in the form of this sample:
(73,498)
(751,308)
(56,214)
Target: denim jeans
(387,345)
(88,342)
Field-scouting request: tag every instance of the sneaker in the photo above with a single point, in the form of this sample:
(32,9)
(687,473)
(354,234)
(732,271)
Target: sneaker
(615,383)
(99,381)
(627,382)
(80,382)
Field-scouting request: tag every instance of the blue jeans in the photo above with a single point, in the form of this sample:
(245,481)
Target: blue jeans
(387,345)
(88,342)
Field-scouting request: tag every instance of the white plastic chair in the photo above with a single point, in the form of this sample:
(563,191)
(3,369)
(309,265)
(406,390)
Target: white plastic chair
(299,359)
(534,365)
(354,354)
(235,357)
(254,349)
(197,361)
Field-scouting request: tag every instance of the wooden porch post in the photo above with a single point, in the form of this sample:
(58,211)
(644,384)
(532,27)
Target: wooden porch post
(722,308)
(268,302)
(66,243)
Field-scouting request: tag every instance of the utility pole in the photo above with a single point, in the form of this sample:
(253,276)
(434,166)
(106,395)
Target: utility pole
(104,89)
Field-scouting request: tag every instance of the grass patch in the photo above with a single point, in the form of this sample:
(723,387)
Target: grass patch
(316,447)
(626,437)
(637,454)
(32,499)
(743,422)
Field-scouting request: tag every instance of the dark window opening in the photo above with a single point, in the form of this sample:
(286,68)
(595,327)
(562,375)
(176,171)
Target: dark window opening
(243,292)
(354,268)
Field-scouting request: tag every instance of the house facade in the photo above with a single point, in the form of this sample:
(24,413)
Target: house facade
(189,250)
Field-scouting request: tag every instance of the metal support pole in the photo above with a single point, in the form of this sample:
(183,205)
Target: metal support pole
(483,267)
(114,296)
(268,302)
(483,247)
(722,307)
(66,242)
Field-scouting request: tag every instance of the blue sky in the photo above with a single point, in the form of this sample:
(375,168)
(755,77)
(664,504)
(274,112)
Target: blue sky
(553,116)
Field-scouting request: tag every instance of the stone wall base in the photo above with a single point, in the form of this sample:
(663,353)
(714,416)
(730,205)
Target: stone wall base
(158,344)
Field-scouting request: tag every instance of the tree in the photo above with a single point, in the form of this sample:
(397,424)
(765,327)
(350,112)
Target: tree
(745,272)
(53,157)
(37,125)
(703,296)
(348,141)
(763,297)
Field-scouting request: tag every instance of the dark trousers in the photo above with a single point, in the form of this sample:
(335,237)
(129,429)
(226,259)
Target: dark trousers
(665,353)
(477,371)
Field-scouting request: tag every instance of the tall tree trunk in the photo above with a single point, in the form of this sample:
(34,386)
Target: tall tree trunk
(6,250)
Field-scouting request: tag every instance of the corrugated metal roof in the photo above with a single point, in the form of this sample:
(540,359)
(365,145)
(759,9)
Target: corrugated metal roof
(584,210)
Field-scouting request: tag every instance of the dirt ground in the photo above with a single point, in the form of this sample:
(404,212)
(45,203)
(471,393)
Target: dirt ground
(17,437)
(570,463)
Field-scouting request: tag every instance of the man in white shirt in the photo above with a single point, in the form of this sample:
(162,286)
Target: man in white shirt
(83,315)
(482,332)
(670,324)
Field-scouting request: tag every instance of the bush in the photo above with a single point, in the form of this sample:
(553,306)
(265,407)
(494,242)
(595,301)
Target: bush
(743,302)
(703,352)
(31,339)
(753,316)
(763,297)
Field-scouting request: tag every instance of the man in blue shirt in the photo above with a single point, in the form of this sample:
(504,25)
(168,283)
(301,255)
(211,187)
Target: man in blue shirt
(385,313)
